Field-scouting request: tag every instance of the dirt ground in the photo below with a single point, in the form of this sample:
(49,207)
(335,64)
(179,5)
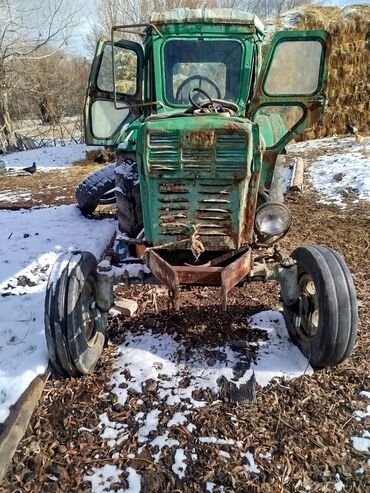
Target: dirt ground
(306,423)
(51,187)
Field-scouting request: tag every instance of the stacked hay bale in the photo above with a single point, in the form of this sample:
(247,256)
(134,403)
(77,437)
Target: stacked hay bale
(349,67)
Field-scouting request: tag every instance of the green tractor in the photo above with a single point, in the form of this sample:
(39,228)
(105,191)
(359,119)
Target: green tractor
(199,119)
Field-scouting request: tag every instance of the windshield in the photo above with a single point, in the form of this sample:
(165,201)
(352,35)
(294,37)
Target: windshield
(214,66)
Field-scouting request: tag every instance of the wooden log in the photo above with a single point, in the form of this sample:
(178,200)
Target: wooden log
(15,426)
(296,184)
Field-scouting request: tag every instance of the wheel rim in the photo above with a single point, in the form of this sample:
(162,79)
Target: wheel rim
(307,320)
(90,313)
(107,198)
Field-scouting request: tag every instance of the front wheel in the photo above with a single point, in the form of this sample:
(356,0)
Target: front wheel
(323,322)
(74,325)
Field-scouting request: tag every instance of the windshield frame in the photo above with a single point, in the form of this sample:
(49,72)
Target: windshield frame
(238,97)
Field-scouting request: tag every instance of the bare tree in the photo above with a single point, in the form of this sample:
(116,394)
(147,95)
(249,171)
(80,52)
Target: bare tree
(114,12)
(25,30)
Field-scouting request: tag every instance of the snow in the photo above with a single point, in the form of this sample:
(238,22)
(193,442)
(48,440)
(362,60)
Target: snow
(277,357)
(48,157)
(338,485)
(352,168)
(103,477)
(362,444)
(224,454)
(30,241)
(153,356)
(264,455)
(177,419)
(179,466)
(150,424)
(365,393)
(217,441)
(114,433)
(251,466)
(162,441)
(342,167)
(211,486)
(359,415)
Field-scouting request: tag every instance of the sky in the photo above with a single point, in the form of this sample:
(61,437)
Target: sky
(77,42)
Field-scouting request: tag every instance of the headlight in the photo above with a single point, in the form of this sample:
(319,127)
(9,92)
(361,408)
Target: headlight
(272,219)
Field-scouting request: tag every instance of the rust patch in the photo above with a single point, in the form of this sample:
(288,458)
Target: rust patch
(234,273)
(234,127)
(203,138)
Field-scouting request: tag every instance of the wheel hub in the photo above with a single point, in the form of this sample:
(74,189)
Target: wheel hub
(307,317)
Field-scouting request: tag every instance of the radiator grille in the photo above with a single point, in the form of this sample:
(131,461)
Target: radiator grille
(169,154)
(164,153)
(208,205)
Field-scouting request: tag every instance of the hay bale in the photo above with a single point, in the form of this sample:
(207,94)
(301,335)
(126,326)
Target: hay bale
(349,65)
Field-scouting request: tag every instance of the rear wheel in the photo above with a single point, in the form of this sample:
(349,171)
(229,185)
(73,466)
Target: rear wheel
(323,322)
(96,189)
(130,220)
(74,325)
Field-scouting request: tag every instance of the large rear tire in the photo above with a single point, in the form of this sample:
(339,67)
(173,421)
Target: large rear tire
(323,323)
(97,188)
(74,326)
(130,219)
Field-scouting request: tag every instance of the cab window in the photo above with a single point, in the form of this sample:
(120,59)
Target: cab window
(214,66)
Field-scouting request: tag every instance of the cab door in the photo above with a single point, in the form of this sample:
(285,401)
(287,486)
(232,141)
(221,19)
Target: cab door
(291,89)
(113,96)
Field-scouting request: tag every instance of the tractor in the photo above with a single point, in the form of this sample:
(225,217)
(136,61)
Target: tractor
(199,116)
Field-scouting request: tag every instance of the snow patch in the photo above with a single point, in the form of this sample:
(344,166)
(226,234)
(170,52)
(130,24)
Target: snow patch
(47,158)
(150,425)
(338,485)
(179,466)
(30,241)
(359,415)
(211,486)
(162,441)
(103,477)
(336,175)
(251,466)
(160,358)
(361,444)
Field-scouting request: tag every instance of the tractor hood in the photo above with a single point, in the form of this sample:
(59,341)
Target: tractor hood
(198,171)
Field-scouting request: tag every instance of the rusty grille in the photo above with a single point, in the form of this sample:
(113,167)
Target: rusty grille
(164,153)
(181,206)
(223,153)
(231,152)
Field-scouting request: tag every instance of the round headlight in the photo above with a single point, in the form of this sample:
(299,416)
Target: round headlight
(272,219)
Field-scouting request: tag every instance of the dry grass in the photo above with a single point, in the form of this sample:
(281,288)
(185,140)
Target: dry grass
(54,187)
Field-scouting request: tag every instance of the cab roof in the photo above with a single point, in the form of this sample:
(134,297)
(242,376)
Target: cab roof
(215,16)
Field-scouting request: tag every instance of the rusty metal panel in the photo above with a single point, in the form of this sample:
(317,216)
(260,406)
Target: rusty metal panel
(162,270)
(206,276)
(234,273)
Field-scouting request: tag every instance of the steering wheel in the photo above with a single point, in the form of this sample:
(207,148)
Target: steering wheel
(200,78)
(210,104)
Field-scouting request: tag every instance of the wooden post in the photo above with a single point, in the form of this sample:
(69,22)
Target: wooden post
(16,424)
(296,184)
